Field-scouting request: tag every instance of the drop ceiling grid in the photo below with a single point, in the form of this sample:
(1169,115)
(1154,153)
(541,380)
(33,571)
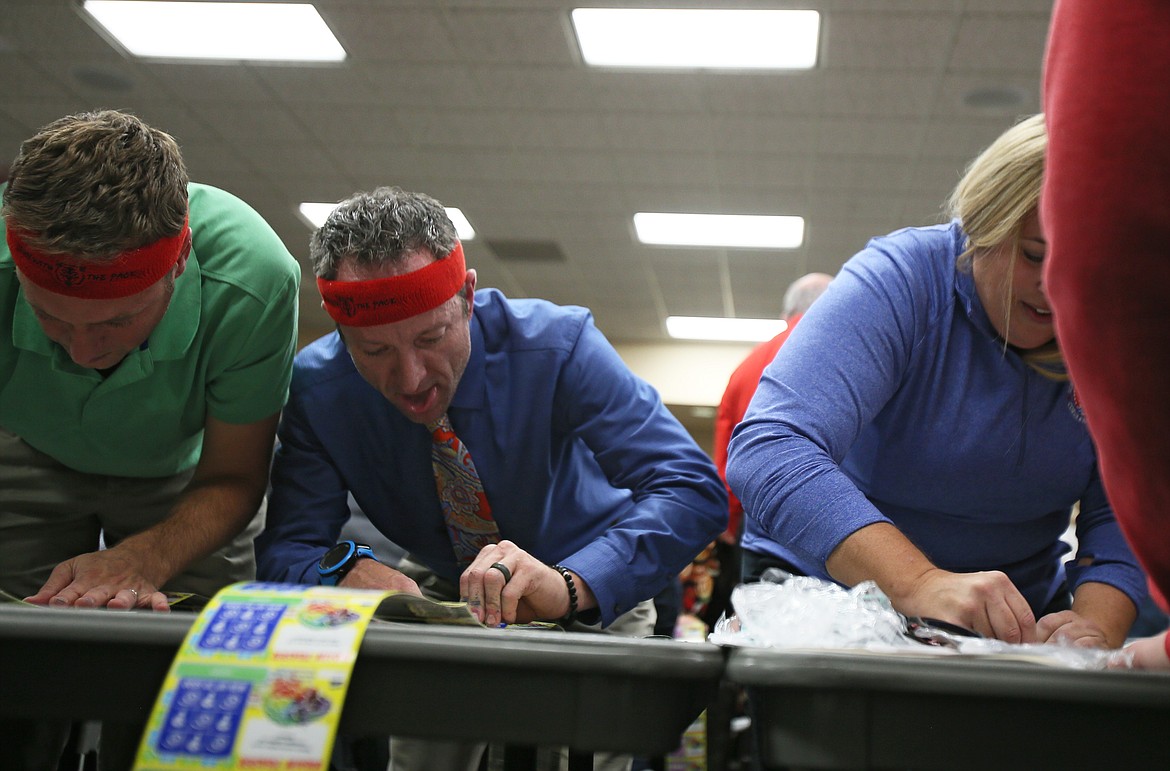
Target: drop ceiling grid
(485,104)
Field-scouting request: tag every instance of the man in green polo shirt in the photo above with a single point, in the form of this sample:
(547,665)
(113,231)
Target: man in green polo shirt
(148,330)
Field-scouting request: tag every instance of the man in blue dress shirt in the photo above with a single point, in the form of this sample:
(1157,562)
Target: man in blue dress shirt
(599,495)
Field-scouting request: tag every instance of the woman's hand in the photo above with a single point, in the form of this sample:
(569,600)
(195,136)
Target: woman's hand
(1149,652)
(986,602)
(1070,628)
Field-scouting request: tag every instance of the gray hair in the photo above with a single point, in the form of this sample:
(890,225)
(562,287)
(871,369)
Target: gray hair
(803,291)
(380,227)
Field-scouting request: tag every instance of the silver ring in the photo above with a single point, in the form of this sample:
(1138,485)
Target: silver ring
(503,569)
(135,594)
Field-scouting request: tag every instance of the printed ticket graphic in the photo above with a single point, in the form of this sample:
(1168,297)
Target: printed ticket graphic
(260,680)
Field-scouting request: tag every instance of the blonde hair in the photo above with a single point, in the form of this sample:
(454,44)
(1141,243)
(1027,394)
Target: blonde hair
(998,191)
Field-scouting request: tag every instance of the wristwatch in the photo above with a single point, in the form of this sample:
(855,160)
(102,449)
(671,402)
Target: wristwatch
(339,560)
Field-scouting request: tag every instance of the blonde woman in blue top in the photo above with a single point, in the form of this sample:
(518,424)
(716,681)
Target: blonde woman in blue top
(917,430)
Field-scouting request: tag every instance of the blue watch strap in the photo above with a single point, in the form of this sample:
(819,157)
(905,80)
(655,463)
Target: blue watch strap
(331,575)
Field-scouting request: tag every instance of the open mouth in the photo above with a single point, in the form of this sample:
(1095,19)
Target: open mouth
(1039,314)
(420,403)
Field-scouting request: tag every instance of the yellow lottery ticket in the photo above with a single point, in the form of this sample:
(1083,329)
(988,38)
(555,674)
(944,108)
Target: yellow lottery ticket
(260,680)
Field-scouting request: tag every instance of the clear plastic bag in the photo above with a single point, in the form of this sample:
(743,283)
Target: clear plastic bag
(804,612)
(790,612)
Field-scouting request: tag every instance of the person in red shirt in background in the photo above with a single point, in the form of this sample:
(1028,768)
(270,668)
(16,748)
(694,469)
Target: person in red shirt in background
(1106,211)
(708,581)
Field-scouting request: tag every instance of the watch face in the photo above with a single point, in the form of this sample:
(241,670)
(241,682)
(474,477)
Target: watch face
(336,557)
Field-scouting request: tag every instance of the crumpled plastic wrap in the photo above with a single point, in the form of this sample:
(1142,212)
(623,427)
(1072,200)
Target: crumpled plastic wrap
(805,612)
(801,612)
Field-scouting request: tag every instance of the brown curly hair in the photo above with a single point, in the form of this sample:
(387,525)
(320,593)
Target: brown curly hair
(96,184)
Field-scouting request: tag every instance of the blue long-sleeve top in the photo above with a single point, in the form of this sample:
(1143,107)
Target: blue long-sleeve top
(895,401)
(580,460)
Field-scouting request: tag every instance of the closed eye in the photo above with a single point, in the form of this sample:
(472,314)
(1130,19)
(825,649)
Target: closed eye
(431,337)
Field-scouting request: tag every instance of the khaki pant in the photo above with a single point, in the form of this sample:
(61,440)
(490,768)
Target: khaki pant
(49,513)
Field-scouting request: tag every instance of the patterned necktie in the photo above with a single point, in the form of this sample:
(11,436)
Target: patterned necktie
(465,506)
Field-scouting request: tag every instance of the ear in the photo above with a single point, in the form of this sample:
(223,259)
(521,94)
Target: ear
(469,290)
(184,253)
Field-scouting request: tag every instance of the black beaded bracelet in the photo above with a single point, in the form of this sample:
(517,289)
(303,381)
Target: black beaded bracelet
(571,616)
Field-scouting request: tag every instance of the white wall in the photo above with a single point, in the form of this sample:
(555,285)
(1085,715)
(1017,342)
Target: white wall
(685,373)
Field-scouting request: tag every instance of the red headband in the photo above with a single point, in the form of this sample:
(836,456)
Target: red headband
(386,300)
(130,273)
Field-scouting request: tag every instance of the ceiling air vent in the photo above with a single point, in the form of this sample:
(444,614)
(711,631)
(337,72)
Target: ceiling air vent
(526,251)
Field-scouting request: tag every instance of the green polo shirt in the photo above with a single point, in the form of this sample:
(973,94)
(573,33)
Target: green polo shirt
(224,348)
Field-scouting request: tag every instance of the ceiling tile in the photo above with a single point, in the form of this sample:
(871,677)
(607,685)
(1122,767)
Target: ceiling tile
(512,36)
(988,43)
(403,34)
(887,40)
(486,105)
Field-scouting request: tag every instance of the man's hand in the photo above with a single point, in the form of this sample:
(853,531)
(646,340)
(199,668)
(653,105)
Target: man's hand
(535,591)
(97,580)
(371,574)
(986,602)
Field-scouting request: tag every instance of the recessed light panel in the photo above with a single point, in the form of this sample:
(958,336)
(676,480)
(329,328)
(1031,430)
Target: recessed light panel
(724,329)
(316,213)
(233,31)
(697,38)
(749,231)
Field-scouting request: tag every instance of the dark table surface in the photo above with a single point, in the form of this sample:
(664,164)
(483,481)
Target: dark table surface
(861,710)
(588,692)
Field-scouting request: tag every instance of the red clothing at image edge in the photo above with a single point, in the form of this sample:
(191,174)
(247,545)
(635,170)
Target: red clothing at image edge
(1106,213)
(736,397)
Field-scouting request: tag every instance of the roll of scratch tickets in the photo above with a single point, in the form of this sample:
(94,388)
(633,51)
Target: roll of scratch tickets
(260,680)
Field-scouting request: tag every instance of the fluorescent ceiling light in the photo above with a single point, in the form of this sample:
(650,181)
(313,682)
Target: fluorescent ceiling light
(664,37)
(462,227)
(751,231)
(316,213)
(236,31)
(731,330)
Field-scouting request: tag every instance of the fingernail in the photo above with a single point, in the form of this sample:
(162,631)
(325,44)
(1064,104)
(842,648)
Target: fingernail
(57,601)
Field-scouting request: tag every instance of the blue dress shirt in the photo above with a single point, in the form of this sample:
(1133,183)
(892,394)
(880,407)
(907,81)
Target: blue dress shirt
(580,460)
